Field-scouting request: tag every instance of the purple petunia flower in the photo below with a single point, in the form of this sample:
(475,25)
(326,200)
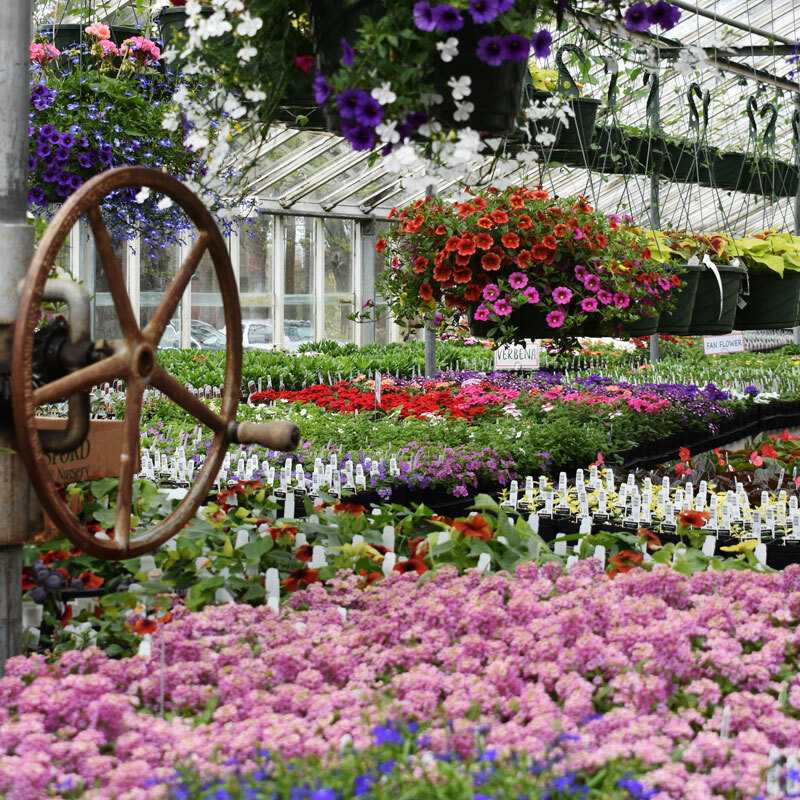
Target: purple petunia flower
(67,140)
(483,11)
(85,160)
(361,137)
(504,5)
(31,163)
(562,295)
(423,16)
(368,110)
(541,43)
(555,319)
(37,196)
(347,101)
(605,297)
(589,304)
(321,87)
(43,150)
(347,53)
(490,50)
(636,17)
(447,19)
(515,47)
(664,15)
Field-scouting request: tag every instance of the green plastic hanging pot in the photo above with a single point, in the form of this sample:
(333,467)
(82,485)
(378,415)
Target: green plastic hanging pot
(66,34)
(644,326)
(712,314)
(678,322)
(171,24)
(578,135)
(773,302)
(730,172)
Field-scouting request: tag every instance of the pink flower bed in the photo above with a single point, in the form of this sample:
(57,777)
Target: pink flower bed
(639,666)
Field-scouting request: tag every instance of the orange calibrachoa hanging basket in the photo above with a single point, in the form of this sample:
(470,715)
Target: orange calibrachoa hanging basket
(499,255)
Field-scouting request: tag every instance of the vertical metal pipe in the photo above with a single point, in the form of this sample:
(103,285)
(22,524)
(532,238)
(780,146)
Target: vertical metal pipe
(16,244)
(430,334)
(796,204)
(367,275)
(655,206)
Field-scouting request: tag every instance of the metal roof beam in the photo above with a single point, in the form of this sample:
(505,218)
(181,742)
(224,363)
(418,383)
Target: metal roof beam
(318,179)
(292,162)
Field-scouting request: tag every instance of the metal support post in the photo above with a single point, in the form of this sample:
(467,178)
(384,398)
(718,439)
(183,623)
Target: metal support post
(796,204)
(367,292)
(654,114)
(430,333)
(16,243)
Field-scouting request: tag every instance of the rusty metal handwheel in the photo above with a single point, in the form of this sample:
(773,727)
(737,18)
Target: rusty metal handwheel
(133,359)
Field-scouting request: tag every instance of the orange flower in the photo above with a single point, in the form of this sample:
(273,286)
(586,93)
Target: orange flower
(695,519)
(420,263)
(417,549)
(472,292)
(515,201)
(462,261)
(524,222)
(144,626)
(289,530)
(490,262)
(524,259)
(369,577)
(500,217)
(549,242)
(380,245)
(442,272)
(540,194)
(91,581)
(603,242)
(442,520)
(167,617)
(653,542)
(353,508)
(624,561)
(485,222)
(67,616)
(462,275)
(451,245)
(540,253)
(476,527)
(426,291)
(510,240)
(484,241)
(441,230)
(560,230)
(466,247)
(303,575)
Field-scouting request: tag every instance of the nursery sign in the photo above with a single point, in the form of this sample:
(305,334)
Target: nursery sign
(98,456)
(730,343)
(517,356)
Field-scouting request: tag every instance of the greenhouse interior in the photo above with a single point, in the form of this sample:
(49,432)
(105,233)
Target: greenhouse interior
(401,398)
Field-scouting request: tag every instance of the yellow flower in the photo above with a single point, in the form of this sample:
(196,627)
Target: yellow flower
(747,546)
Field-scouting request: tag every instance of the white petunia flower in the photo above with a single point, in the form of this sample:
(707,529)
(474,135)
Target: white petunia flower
(142,195)
(384,94)
(249,26)
(170,121)
(246,53)
(164,203)
(448,48)
(196,140)
(460,87)
(463,111)
(387,132)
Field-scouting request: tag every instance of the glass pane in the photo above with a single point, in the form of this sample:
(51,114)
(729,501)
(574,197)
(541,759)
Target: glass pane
(338,279)
(383,327)
(158,267)
(256,279)
(298,325)
(208,313)
(106,325)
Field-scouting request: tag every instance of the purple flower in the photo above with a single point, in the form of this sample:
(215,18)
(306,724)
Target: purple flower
(45,131)
(31,163)
(321,87)
(490,50)
(368,110)
(664,15)
(562,295)
(67,140)
(75,182)
(37,196)
(447,19)
(541,43)
(483,10)
(532,295)
(515,47)
(589,304)
(621,300)
(605,297)
(502,308)
(360,137)
(43,150)
(592,283)
(555,319)
(491,292)
(416,119)
(62,154)
(518,280)
(347,53)
(636,17)
(347,102)
(504,5)
(85,160)
(423,16)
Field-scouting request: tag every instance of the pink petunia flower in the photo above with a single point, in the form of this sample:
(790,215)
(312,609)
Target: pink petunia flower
(592,282)
(518,280)
(605,297)
(621,300)
(555,319)
(491,292)
(502,308)
(531,294)
(589,304)
(562,295)
(481,313)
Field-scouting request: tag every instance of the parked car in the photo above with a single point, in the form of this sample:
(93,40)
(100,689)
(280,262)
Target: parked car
(258,334)
(202,337)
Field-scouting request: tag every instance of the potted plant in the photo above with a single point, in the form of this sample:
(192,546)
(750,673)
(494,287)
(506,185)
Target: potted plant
(103,111)
(772,294)
(520,265)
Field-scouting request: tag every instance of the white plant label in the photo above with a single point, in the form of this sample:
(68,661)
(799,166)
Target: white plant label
(729,343)
(515,356)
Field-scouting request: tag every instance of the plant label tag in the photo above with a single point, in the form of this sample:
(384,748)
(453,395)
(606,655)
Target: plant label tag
(729,343)
(794,536)
(560,547)
(668,527)
(599,518)
(288,506)
(669,514)
(517,357)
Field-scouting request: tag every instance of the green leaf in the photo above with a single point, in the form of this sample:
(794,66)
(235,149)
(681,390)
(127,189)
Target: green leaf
(254,550)
(102,487)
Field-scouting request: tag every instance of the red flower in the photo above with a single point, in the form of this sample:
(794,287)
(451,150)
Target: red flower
(476,527)
(510,240)
(524,222)
(683,454)
(560,230)
(524,259)
(451,245)
(352,508)
(462,261)
(462,275)
(442,272)
(289,530)
(490,262)
(472,292)
(653,542)
(28,581)
(420,264)
(380,245)
(624,561)
(144,626)
(694,518)
(53,555)
(485,222)
(466,210)
(304,553)
(540,253)
(67,616)
(768,451)
(426,291)
(484,241)
(303,575)
(549,242)
(417,549)
(369,577)
(602,241)
(500,217)
(515,201)
(304,63)
(91,581)
(466,247)
(441,230)
(540,194)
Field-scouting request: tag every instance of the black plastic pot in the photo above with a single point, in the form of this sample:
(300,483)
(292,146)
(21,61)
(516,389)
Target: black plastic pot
(67,34)
(578,135)
(644,326)
(678,322)
(530,322)
(730,171)
(706,316)
(496,91)
(685,162)
(773,302)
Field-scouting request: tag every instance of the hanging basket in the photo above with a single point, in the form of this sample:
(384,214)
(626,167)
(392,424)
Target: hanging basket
(706,315)
(773,302)
(609,152)
(578,135)
(679,321)
(730,172)
(685,163)
(496,91)
(644,326)
(529,322)
(67,34)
